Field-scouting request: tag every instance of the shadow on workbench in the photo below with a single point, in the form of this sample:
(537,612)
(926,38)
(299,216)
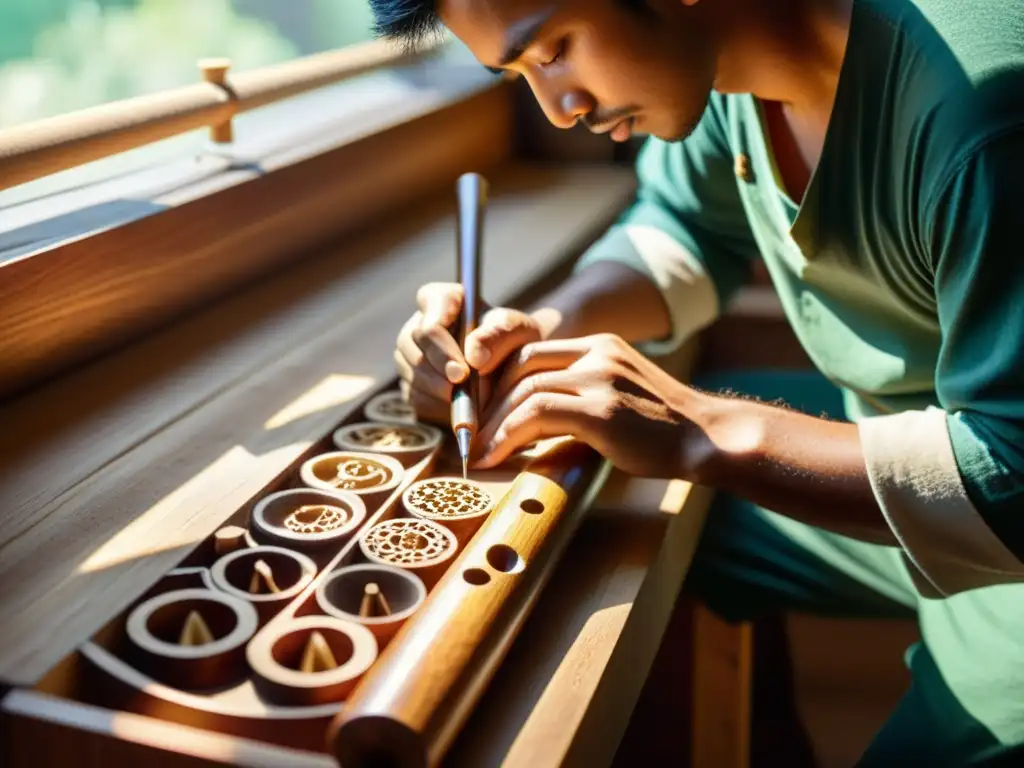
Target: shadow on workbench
(660,731)
(806,710)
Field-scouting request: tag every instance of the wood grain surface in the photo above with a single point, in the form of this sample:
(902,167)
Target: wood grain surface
(51,145)
(124,466)
(411,705)
(562,697)
(72,301)
(127,463)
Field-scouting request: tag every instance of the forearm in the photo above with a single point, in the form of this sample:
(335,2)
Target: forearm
(806,468)
(605,297)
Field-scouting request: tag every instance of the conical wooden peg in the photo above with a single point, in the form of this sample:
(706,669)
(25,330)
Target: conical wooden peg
(195,631)
(373,603)
(318,656)
(262,580)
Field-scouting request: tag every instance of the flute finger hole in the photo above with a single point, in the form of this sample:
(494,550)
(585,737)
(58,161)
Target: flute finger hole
(476,576)
(503,558)
(531,506)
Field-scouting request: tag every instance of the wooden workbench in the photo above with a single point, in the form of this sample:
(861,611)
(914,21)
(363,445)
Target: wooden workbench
(110,474)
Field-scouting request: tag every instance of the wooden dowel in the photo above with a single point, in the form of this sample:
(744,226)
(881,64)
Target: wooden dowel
(40,148)
(269,84)
(34,150)
(228,539)
(215,71)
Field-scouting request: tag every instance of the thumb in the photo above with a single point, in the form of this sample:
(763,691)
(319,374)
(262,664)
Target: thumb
(501,332)
(440,303)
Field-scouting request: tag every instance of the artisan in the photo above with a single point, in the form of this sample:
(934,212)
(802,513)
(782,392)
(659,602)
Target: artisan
(871,153)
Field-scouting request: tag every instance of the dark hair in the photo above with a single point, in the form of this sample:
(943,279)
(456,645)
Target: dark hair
(409,22)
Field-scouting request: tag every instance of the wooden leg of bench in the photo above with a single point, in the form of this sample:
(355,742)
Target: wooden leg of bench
(722,685)
(659,728)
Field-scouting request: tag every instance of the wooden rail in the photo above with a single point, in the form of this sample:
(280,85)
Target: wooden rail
(37,149)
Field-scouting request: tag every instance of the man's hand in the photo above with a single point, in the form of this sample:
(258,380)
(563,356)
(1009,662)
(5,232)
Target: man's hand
(428,357)
(601,391)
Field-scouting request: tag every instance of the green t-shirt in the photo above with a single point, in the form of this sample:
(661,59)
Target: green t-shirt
(902,272)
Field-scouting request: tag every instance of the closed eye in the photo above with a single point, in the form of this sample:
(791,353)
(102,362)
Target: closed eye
(558,54)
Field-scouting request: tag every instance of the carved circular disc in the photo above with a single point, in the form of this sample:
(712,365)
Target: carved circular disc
(408,542)
(447,498)
(275,656)
(397,440)
(298,516)
(149,624)
(292,572)
(353,471)
(389,408)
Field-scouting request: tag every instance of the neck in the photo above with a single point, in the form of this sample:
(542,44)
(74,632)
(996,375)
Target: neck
(787,51)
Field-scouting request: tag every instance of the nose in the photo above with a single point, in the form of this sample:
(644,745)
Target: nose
(576,104)
(564,106)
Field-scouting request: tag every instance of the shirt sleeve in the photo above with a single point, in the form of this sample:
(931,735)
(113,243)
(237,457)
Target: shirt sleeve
(951,479)
(687,230)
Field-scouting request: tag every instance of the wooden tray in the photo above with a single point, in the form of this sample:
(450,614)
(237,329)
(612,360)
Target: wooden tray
(259,677)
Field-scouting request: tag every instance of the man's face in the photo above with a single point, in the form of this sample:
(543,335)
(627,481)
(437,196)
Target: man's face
(618,69)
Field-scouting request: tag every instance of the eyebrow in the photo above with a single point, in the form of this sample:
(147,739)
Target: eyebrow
(520,36)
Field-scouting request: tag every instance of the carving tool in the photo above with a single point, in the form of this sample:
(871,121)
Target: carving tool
(472,197)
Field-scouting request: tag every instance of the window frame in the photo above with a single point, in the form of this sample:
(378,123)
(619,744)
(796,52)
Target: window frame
(85,295)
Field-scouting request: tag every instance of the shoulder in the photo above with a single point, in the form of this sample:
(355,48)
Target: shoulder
(954,48)
(954,70)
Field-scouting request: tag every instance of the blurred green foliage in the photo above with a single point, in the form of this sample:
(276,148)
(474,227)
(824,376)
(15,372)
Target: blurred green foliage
(21,20)
(341,22)
(61,55)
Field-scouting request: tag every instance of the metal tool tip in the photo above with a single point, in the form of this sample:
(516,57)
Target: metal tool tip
(463,436)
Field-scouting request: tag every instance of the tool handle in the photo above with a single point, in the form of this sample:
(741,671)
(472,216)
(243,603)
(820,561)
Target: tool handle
(472,199)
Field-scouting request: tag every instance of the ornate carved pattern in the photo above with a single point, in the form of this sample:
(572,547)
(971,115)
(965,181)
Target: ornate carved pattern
(381,437)
(407,542)
(391,407)
(448,497)
(317,518)
(360,474)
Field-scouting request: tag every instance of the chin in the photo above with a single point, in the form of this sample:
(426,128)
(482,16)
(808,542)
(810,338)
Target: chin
(678,126)
(670,136)
(683,130)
